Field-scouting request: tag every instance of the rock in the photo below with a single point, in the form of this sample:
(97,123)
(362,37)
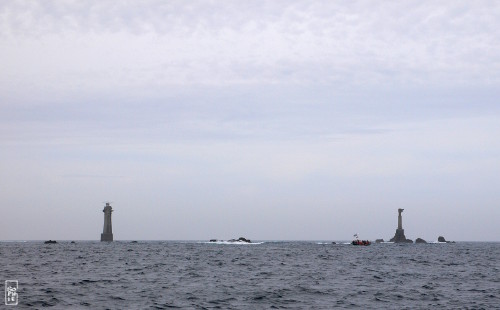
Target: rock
(420,240)
(334,242)
(442,239)
(50,242)
(133,241)
(240,239)
(408,241)
(73,242)
(379,240)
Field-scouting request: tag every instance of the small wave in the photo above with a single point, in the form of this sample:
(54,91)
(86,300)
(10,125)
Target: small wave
(232,242)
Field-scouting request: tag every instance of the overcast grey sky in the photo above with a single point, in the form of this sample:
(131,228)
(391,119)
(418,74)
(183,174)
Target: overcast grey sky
(265,119)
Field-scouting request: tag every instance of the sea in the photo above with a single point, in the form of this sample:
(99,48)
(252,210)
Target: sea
(260,275)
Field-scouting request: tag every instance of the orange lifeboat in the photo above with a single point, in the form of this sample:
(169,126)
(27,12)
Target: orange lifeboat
(360,242)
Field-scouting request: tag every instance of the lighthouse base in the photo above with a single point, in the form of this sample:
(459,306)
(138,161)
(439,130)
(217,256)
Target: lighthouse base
(106,237)
(400,237)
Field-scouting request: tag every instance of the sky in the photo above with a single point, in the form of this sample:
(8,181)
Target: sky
(272,120)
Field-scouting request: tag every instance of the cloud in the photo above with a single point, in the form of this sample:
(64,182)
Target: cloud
(62,47)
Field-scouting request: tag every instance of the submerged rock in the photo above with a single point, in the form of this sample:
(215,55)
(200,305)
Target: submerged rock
(420,240)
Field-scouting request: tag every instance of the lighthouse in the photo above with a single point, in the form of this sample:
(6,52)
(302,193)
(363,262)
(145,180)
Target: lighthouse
(400,237)
(107,232)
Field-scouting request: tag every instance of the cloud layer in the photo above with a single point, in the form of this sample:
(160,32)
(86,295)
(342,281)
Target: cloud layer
(110,46)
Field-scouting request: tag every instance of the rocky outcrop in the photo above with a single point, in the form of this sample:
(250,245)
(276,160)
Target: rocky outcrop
(379,240)
(50,242)
(420,240)
(442,239)
(240,239)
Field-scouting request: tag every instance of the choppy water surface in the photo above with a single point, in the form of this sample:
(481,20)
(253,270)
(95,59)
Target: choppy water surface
(289,275)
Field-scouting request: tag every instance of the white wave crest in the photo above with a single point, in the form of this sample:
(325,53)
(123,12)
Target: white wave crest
(232,242)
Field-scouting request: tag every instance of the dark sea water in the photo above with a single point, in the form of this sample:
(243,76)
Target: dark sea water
(287,275)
